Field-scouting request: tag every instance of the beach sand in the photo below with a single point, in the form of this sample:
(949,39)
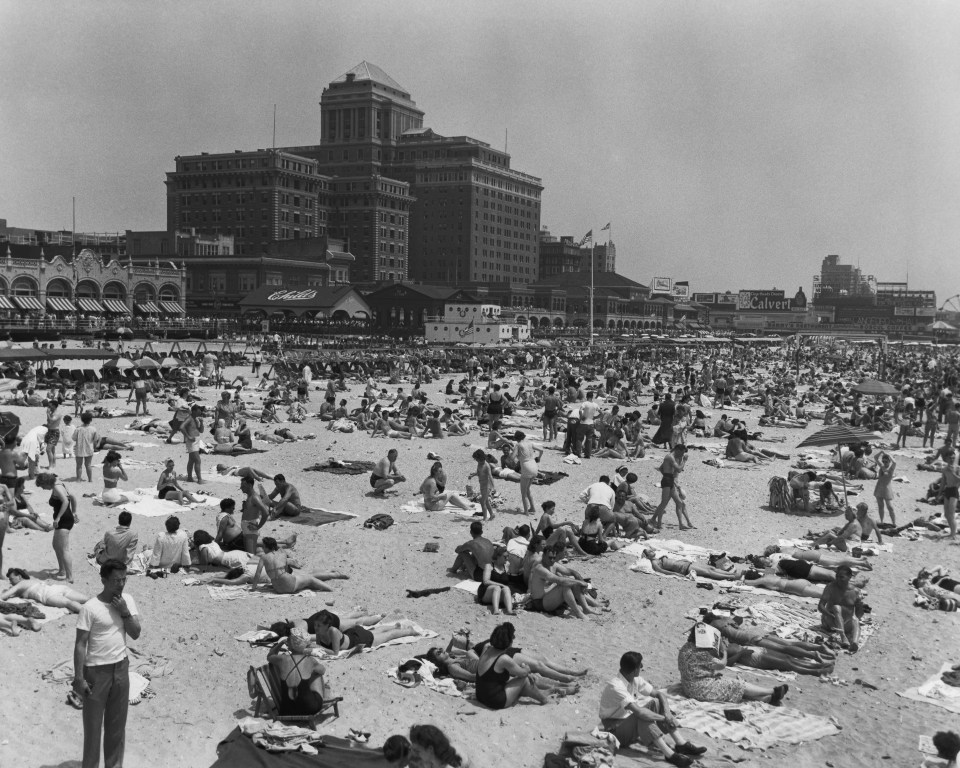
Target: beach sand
(197,704)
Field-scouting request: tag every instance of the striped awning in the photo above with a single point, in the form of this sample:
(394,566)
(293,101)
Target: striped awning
(91,305)
(5,303)
(28,302)
(60,304)
(171,307)
(116,307)
(148,308)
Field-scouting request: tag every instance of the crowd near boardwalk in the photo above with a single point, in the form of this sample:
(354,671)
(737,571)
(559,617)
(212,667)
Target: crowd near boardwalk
(628,554)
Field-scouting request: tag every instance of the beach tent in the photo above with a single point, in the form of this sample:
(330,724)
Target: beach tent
(874,387)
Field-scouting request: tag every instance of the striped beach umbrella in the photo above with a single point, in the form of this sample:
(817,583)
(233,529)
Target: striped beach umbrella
(874,387)
(837,435)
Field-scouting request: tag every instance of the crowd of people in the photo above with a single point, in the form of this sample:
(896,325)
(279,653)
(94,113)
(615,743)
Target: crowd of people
(607,408)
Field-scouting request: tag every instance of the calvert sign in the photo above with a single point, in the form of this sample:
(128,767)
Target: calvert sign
(763,301)
(292,295)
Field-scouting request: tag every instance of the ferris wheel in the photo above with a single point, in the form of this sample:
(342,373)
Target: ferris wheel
(951,305)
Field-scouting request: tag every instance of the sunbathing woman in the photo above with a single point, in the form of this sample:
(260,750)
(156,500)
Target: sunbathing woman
(822,557)
(554,670)
(382,429)
(356,617)
(501,680)
(11,623)
(302,676)
(45,593)
(800,587)
(113,473)
(494,589)
(169,488)
(435,497)
(550,590)
(763,658)
(673,566)
(731,627)
(23,514)
(614,447)
(275,563)
(358,637)
(939,577)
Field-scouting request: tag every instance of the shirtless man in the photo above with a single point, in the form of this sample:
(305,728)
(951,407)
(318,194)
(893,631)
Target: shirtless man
(841,607)
(253,516)
(840,538)
(8,465)
(473,556)
(288,503)
(229,533)
(385,475)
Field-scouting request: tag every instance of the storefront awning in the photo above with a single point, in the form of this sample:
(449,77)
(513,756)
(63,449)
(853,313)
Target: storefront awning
(148,308)
(60,304)
(91,305)
(28,302)
(171,308)
(116,307)
(5,303)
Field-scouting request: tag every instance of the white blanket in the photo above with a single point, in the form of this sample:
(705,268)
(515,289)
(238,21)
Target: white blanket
(416,507)
(144,502)
(935,691)
(239,591)
(422,633)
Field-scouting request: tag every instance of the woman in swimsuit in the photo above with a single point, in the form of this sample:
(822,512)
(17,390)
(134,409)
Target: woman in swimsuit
(276,563)
(53,432)
(435,498)
(63,505)
(54,595)
(356,636)
(494,588)
(301,675)
(24,515)
(501,680)
(551,407)
(677,567)
(939,577)
(527,455)
(882,492)
(168,487)
(673,464)
(551,590)
(592,540)
(113,473)
(951,491)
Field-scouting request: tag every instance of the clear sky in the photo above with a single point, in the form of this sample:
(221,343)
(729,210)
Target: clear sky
(731,144)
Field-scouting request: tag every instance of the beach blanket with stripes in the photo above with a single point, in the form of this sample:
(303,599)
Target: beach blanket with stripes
(328,655)
(240,591)
(762,727)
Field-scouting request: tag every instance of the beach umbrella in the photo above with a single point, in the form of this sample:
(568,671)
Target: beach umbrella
(120,363)
(837,435)
(170,362)
(147,362)
(874,387)
(7,384)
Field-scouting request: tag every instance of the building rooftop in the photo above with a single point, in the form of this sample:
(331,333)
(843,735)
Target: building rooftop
(367,71)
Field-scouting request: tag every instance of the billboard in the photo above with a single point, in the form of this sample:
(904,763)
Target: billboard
(763,301)
(926,311)
(705,298)
(727,298)
(662,284)
(681,292)
(904,311)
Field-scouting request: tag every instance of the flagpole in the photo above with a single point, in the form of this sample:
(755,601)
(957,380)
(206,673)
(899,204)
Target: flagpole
(593,256)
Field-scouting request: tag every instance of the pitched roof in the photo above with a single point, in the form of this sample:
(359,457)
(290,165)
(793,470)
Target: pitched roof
(600,280)
(367,71)
(441,292)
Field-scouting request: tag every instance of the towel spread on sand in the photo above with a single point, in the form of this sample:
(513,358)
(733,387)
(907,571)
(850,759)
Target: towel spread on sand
(144,502)
(142,670)
(444,685)
(416,507)
(49,613)
(935,691)
(468,585)
(868,549)
(136,567)
(327,655)
(335,467)
(672,547)
(239,591)
(318,516)
(762,727)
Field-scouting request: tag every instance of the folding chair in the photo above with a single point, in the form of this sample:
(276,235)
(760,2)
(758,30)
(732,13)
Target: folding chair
(267,688)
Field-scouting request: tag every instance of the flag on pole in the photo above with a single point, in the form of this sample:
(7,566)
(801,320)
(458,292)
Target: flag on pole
(587,238)
(606,227)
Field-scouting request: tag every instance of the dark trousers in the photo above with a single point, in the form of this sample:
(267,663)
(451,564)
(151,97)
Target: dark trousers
(105,711)
(585,434)
(570,439)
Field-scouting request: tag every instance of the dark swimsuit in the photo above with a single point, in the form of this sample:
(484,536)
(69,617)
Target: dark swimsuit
(66,519)
(795,569)
(306,702)
(667,480)
(359,636)
(945,582)
(374,479)
(491,686)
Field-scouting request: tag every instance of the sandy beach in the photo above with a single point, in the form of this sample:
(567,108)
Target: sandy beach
(198,701)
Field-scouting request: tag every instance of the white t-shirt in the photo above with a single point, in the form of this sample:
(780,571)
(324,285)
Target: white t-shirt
(108,639)
(232,559)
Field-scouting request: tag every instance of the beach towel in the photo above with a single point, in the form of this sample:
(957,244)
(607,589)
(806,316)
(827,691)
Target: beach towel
(144,502)
(139,684)
(136,567)
(672,547)
(316,516)
(335,467)
(416,507)
(240,591)
(424,676)
(327,655)
(934,691)
(49,613)
(239,751)
(762,726)
(468,585)
(868,549)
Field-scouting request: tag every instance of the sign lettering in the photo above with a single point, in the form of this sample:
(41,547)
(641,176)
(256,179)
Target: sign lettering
(292,295)
(763,301)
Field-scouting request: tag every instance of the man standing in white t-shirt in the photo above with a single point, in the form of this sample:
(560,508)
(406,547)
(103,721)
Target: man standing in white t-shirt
(101,668)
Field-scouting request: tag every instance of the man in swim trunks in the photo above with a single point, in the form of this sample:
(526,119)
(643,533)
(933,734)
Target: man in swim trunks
(385,475)
(253,516)
(288,502)
(8,465)
(841,607)
(473,555)
(229,533)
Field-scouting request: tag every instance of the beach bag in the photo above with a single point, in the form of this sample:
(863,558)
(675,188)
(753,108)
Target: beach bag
(781,498)
(379,522)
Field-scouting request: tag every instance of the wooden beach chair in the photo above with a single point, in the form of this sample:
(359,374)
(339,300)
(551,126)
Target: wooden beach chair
(267,688)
